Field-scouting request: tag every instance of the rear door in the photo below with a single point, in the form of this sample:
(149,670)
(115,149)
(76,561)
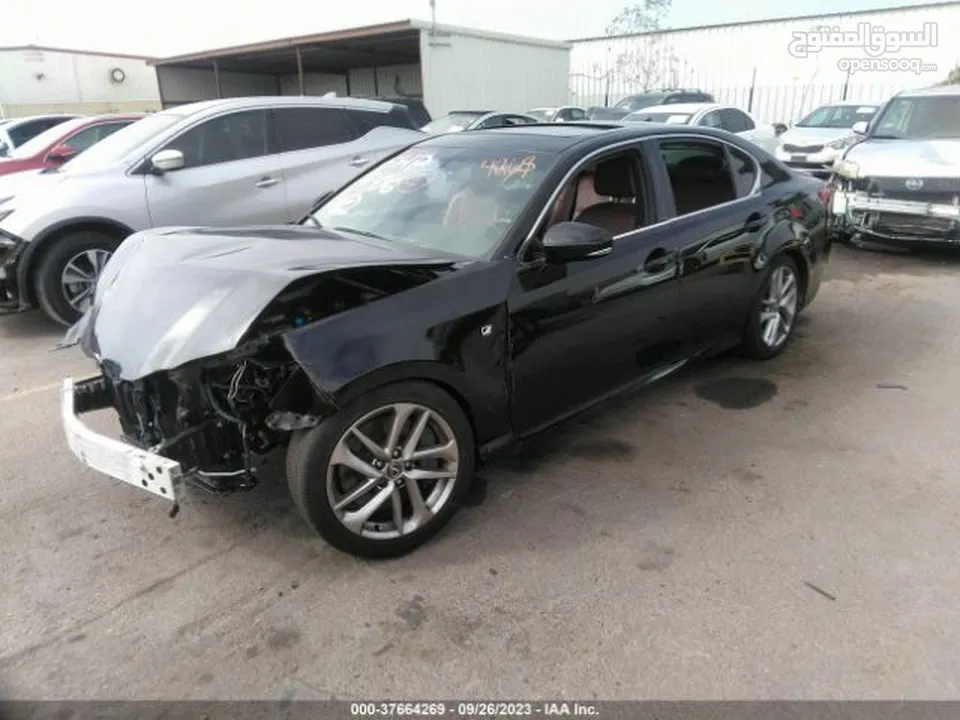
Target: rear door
(227,178)
(320,149)
(720,218)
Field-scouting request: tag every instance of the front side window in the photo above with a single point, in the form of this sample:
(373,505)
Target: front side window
(237,136)
(80,141)
(699,174)
(460,200)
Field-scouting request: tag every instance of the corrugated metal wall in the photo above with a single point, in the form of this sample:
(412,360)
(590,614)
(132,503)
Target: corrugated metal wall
(465,72)
(729,60)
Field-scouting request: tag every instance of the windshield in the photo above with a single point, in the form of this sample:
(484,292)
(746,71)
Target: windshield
(838,116)
(459,200)
(45,139)
(920,118)
(660,117)
(123,142)
(454,122)
(636,102)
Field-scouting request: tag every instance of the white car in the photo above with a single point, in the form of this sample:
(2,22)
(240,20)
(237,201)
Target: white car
(460,120)
(723,117)
(813,143)
(564,113)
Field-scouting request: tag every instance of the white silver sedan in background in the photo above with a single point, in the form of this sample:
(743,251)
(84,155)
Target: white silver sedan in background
(724,117)
(813,143)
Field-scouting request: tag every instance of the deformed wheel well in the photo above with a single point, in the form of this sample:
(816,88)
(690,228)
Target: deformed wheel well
(43,243)
(447,388)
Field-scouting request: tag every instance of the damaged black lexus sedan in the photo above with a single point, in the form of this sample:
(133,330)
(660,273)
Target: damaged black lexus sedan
(469,291)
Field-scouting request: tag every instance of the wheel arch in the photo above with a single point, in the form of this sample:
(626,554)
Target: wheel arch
(36,249)
(435,373)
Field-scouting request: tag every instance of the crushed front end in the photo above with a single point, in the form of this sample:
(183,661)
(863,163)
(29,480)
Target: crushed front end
(896,210)
(203,423)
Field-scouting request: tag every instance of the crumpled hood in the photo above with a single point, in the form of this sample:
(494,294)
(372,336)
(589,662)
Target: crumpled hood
(171,296)
(907,158)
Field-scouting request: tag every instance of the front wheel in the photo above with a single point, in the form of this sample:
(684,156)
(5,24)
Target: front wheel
(67,274)
(386,473)
(775,310)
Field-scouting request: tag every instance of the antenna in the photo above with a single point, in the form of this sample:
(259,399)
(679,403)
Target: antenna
(433,17)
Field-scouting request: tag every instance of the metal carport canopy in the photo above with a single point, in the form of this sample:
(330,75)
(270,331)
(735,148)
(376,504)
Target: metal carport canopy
(335,52)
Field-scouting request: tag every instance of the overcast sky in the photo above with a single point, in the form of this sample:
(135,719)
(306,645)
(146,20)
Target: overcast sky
(169,27)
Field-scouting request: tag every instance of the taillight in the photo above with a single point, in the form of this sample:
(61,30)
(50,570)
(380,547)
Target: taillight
(824,192)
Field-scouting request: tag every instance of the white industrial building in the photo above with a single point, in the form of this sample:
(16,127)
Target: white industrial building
(778,69)
(449,68)
(35,79)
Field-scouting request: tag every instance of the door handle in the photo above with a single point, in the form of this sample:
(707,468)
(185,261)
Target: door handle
(755,223)
(359,161)
(266,182)
(659,260)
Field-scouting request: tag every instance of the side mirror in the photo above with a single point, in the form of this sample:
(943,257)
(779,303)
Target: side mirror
(61,153)
(860,128)
(167,160)
(779,129)
(571,241)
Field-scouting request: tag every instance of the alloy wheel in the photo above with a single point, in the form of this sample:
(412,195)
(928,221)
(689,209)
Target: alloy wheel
(392,471)
(779,307)
(79,277)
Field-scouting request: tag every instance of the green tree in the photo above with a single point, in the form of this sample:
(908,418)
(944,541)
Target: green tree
(953,77)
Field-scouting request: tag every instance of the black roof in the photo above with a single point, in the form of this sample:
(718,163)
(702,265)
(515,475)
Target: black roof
(558,137)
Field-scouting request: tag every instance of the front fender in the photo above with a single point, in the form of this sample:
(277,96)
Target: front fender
(453,331)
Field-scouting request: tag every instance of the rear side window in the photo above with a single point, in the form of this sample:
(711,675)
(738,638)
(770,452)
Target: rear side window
(735,121)
(699,174)
(306,127)
(367,120)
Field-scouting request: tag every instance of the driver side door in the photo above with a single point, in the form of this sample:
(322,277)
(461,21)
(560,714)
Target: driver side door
(582,331)
(228,177)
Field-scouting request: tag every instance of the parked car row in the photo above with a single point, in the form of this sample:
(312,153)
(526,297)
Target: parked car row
(224,162)
(14,132)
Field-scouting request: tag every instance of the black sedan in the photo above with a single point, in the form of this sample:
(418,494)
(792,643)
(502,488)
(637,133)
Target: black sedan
(467,292)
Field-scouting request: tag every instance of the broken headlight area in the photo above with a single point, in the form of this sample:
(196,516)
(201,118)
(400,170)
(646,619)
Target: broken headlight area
(212,417)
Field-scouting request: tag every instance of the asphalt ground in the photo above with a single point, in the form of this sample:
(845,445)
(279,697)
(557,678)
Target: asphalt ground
(742,530)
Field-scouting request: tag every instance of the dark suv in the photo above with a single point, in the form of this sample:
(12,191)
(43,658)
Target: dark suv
(632,103)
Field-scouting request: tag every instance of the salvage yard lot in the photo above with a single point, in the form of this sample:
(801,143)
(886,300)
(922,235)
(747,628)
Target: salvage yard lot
(759,530)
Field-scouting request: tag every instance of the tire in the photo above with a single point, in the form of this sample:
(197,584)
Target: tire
(89,251)
(318,482)
(756,340)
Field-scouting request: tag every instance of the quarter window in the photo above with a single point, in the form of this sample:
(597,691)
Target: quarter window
(238,136)
(303,128)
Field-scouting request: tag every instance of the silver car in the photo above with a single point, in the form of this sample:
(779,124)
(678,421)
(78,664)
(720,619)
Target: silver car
(242,161)
(899,183)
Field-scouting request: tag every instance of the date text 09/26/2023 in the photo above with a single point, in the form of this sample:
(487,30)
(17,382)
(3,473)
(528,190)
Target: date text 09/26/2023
(476,710)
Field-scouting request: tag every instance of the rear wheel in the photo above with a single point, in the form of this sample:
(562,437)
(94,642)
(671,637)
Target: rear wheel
(68,271)
(386,473)
(775,311)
